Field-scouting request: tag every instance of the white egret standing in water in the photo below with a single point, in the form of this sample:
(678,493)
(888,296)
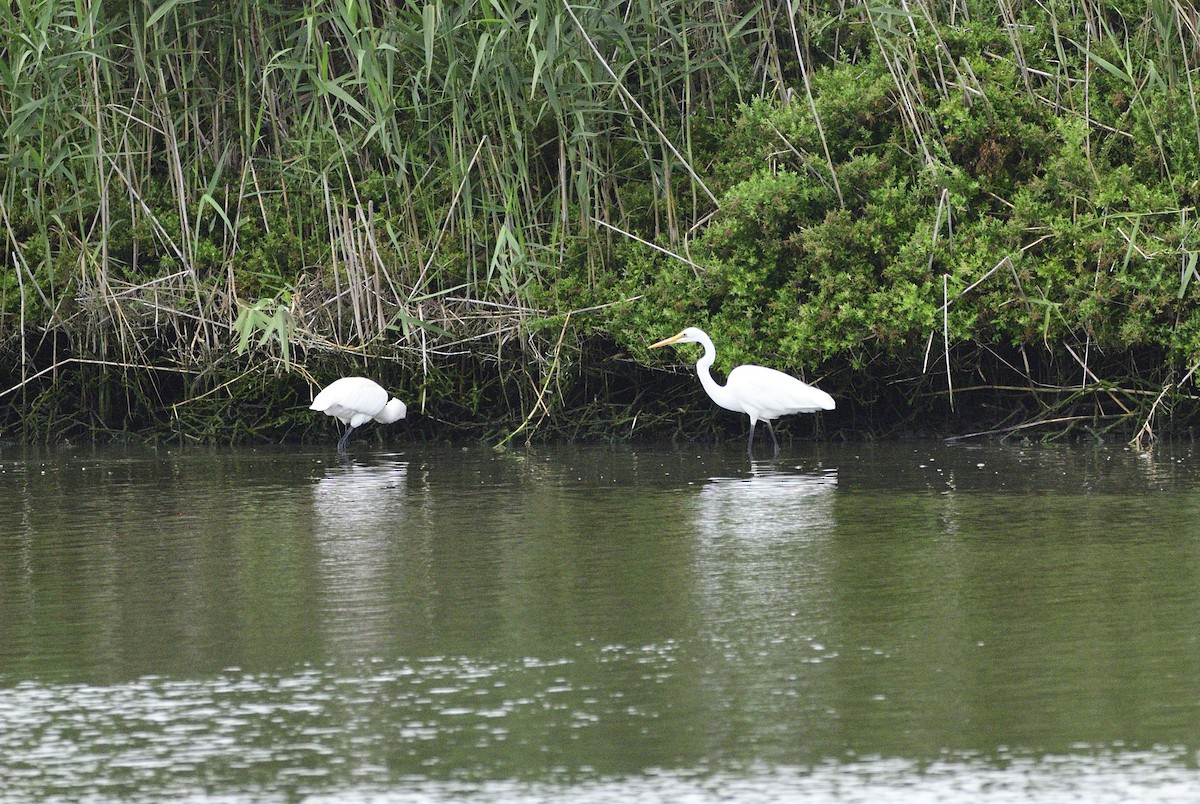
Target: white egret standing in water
(761,393)
(354,401)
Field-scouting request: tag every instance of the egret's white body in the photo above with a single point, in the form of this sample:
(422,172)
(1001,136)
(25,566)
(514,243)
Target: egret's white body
(761,393)
(354,401)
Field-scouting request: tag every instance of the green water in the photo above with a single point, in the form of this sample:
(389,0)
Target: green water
(908,622)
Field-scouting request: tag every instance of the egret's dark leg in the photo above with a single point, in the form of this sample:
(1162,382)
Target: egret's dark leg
(750,442)
(774,441)
(346,438)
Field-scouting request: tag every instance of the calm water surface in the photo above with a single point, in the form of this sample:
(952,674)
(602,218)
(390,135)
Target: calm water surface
(910,622)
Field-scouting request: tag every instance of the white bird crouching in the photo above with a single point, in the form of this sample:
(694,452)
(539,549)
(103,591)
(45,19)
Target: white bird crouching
(354,401)
(761,393)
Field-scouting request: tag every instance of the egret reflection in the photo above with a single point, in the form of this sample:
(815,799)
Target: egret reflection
(355,498)
(360,516)
(768,504)
(762,542)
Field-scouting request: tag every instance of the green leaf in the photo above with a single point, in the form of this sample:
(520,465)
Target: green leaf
(1188,272)
(162,11)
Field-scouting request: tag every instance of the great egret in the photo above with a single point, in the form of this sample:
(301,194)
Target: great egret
(759,392)
(354,401)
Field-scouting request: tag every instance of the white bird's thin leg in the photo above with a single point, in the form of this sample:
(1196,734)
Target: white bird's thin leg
(774,441)
(345,439)
(750,441)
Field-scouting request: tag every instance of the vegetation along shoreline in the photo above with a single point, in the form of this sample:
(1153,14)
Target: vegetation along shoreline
(956,217)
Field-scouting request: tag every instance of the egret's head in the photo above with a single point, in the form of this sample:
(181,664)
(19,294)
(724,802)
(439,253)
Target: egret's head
(689,335)
(393,411)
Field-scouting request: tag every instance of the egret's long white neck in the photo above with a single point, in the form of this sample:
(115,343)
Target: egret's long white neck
(716,392)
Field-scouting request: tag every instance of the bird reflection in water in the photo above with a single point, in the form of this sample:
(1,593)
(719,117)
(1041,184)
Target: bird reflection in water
(356,497)
(360,518)
(768,503)
(763,547)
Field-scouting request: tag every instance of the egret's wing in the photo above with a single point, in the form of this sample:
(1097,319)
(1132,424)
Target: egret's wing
(770,393)
(353,400)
